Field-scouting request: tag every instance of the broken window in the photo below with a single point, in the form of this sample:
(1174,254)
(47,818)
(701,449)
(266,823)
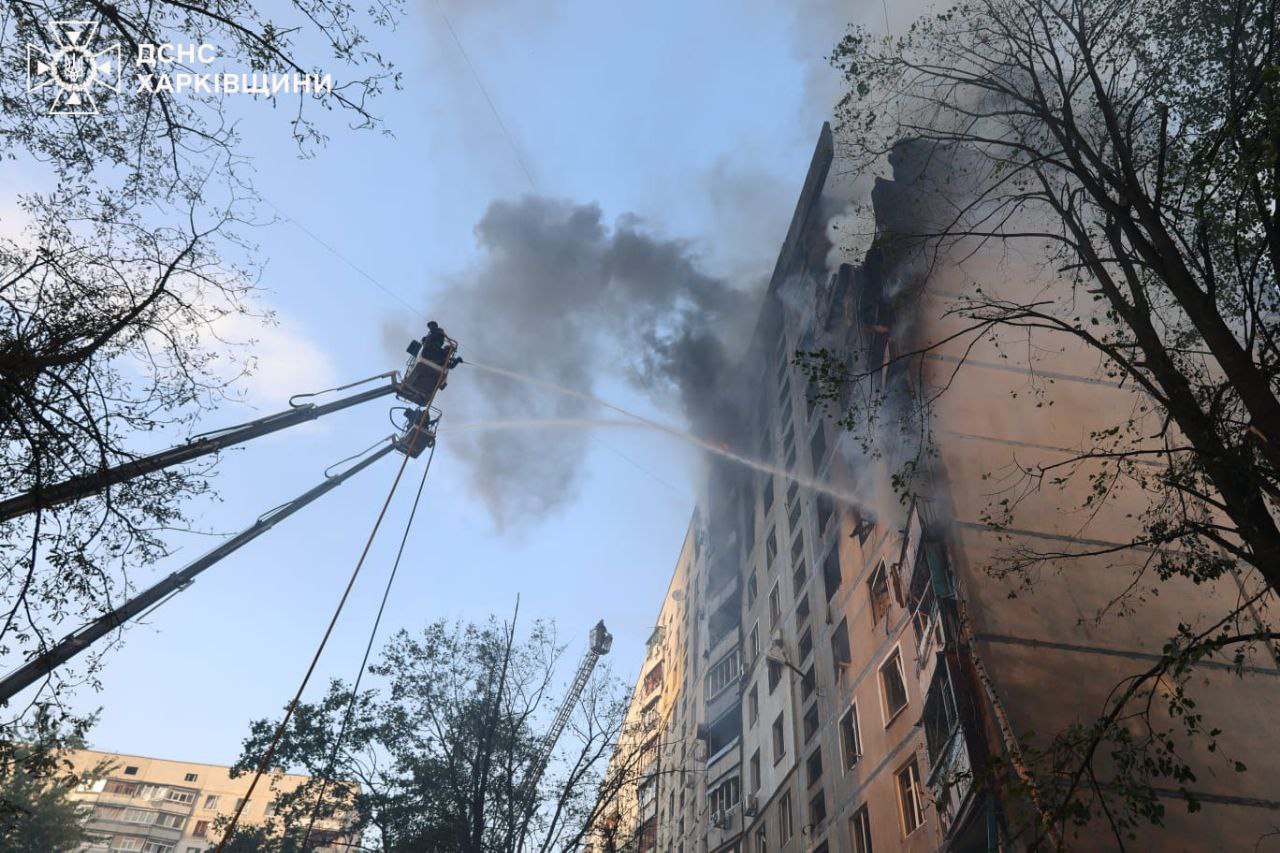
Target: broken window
(798,577)
(878,590)
(893,686)
(910,802)
(775,673)
(841,656)
(850,737)
(864,524)
(826,508)
(831,572)
(724,730)
(940,718)
(810,722)
(653,680)
(813,767)
(860,829)
(818,809)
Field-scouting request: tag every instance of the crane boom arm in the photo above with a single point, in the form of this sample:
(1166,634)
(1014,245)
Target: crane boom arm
(79,640)
(88,484)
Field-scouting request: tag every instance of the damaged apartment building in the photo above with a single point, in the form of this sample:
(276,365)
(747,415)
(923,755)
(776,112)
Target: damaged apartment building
(833,666)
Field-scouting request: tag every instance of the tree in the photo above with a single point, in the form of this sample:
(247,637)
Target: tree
(35,812)
(1129,149)
(119,300)
(439,758)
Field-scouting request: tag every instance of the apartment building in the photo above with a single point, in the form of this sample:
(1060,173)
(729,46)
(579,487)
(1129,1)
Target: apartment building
(155,805)
(831,664)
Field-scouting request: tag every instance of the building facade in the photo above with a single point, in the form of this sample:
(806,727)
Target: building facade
(833,665)
(155,805)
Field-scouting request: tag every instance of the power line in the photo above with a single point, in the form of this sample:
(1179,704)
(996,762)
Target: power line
(359,269)
(493,107)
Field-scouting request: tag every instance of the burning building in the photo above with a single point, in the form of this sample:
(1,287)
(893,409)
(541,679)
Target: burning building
(847,643)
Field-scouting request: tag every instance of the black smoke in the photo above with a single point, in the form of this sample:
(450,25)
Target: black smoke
(562,295)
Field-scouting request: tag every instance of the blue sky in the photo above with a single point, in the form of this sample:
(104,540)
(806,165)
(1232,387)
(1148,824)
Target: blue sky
(698,117)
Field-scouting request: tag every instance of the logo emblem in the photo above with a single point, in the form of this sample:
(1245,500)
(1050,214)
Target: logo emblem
(74,69)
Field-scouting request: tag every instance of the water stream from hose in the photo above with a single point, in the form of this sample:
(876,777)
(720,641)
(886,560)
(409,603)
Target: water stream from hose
(675,432)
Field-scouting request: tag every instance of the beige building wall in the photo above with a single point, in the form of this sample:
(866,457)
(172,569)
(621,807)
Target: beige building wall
(156,805)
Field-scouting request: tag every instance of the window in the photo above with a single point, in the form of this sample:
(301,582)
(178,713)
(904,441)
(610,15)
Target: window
(176,796)
(940,718)
(194,850)
(785,391)
(779,740)
(753,705)
(770,550)
(126,789)
(211,802)
(826,508)
(723,673)
(811,722)
(806,644)
(802,611)
(910,804)
(131,771)
(785,827)
(157,847)
(841,656)
(762,838)
(241,801)
(893,688)
(808,682)
(190,777)
(793,519)
(768,489)
(751,589)
(850,737)
(813,767)
(138,816)
(755,771)
(172,821)
(775,607)
(201,829)
(798,576)
(775,673)
(793,494)
(818,808)
(818,448)
(126,842)
(653,680)
(724,796)
(878,590)
(753,642)
(725,731)
(864,524)
(860,829)
(831,573)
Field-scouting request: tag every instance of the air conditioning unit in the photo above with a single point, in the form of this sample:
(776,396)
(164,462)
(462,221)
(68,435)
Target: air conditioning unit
(718,819)
(750,806)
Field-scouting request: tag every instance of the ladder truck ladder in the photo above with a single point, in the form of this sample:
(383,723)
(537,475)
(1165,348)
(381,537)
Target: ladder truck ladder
(600,643)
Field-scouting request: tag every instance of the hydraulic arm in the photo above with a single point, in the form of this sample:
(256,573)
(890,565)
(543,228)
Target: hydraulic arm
(88,484)
(76,642)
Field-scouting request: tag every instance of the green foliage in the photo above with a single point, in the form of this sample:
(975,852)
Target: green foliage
(438,758)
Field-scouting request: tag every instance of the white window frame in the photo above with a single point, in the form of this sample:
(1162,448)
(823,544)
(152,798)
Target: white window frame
(912,770)
(857,737)
(902,675)
(860,827)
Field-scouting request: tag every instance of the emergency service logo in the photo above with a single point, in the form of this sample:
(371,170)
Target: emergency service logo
(75,71)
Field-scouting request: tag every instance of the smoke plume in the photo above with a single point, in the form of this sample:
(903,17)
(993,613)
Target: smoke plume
(561,295)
